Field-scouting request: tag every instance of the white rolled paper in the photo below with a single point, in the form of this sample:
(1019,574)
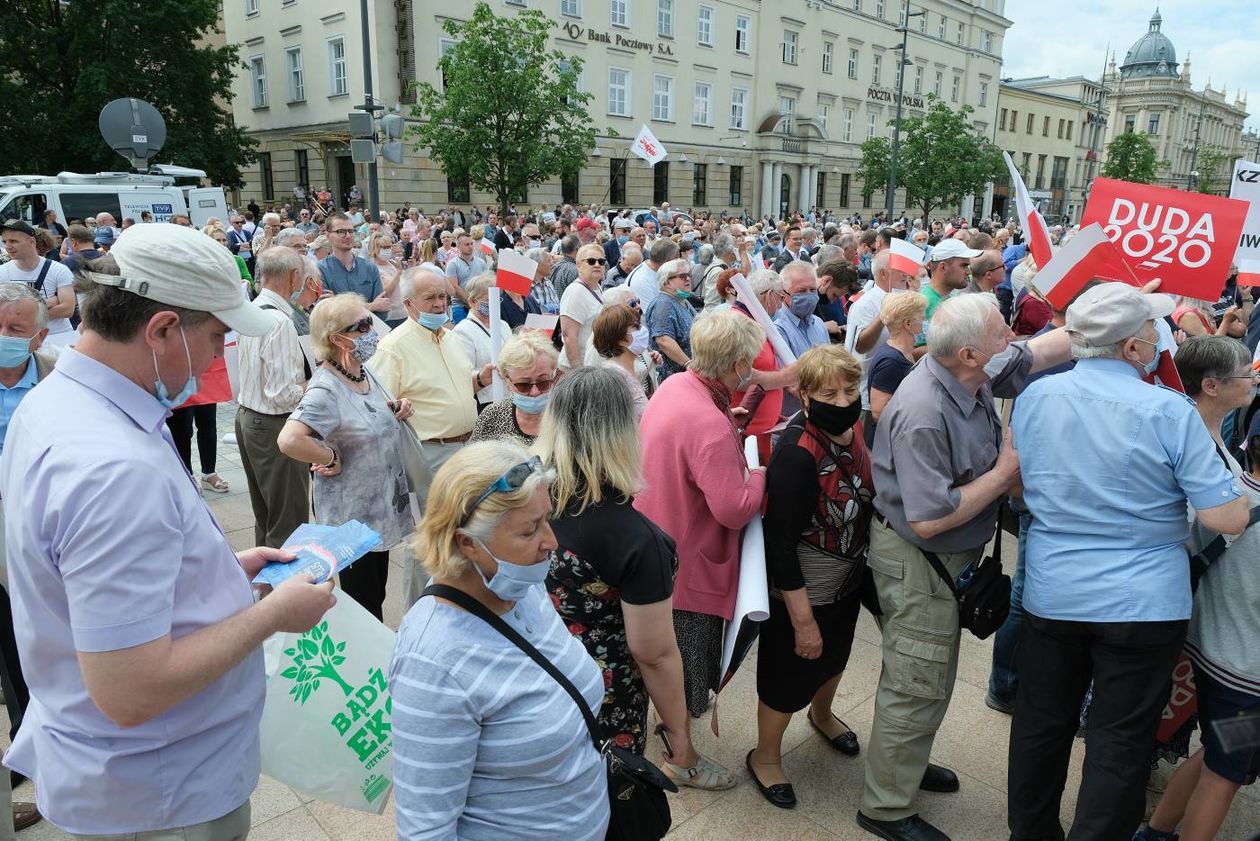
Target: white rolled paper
(781,349)
(752,597)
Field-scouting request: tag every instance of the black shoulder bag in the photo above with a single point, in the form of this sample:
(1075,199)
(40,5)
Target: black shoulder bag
(984,596)
(636,787)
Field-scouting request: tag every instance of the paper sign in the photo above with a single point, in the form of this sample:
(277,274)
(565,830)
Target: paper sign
(1186,240)
(544,323)
(1246,186)
(646,146)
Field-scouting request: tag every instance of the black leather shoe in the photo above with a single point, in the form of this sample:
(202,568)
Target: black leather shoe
(846,742)
(936,778)
(780,794)
(913,828)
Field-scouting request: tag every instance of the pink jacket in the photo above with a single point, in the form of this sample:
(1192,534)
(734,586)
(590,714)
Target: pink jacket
(699,490)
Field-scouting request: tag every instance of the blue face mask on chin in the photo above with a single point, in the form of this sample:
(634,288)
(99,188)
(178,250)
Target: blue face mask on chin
(189,389)
(513,581)
(14,351)
(433,320)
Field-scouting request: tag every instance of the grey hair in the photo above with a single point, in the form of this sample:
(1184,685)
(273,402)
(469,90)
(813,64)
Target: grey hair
(537,254)
(797,267)
(1081,349)
(277,262)
(809,232)
(662,251)
(959,322)
(632,248)
(724,245)
(675,266)
(310,267)
(706,255)
(270,217)
(847,240)
(479,286)
(407,283)
(827,253)
(289,237)
(764,280)
(1200,357)
(618,295)
(15,292)
(569,245)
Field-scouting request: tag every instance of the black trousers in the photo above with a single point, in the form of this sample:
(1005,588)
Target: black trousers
(16,695)
(365,581)
(1131,664)
(181,424)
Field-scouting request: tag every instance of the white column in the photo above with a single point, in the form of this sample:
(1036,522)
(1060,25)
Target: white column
(986,207)
(813,187)
(767,188)
(776,181)
(802,188)
(966,205)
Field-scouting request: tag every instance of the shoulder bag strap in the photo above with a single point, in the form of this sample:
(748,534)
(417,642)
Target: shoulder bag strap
(939,566)
(479,610)
(38,285)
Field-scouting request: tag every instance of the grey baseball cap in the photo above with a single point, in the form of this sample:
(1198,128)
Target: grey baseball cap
(1112,312)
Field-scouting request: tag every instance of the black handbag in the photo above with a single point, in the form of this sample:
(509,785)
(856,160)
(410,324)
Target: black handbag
(636,787)
(983,591)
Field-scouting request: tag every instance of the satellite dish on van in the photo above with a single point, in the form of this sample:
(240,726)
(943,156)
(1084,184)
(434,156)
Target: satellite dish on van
(134,129)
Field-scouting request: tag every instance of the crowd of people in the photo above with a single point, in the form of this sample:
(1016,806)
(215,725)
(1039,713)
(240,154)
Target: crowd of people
(587,481)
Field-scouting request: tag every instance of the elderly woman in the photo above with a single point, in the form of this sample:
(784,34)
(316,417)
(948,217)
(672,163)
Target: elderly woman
(698,488)
(527,365)
(348,432)
(381,251)
(219,235)
(818,492)
(619,342)
(474,331)
(487,745)
(1198,318)
(670,316)
(320,247)
(902,314)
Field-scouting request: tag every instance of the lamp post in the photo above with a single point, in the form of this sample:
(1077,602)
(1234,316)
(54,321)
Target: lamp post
(905,61)
(371,107)
(1194,152)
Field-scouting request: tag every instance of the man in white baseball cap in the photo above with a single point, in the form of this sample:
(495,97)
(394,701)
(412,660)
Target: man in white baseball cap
(949,269)
(137,620)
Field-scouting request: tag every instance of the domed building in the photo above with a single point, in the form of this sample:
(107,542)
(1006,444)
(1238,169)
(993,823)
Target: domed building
(1150,93)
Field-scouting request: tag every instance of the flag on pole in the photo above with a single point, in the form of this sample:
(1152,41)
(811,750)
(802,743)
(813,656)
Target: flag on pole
(487,246)
(905,256)
(1086,256)
(516,272)
(1035,231)
(646,146)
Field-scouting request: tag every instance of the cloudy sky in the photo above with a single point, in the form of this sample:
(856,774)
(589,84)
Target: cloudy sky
(1071,38)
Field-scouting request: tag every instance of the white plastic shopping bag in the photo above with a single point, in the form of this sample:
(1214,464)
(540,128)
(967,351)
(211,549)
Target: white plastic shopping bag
(326,725)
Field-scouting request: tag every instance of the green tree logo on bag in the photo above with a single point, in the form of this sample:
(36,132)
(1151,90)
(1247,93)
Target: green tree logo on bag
(316,656)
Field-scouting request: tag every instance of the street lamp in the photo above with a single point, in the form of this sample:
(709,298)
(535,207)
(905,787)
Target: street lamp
(904,29)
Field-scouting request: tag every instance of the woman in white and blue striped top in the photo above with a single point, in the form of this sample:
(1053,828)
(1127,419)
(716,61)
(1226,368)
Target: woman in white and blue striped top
(486,744)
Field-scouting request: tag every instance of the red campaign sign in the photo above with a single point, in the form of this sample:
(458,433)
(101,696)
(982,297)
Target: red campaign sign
(1187,240)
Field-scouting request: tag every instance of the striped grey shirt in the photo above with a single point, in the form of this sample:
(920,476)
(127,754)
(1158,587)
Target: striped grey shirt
(486,744)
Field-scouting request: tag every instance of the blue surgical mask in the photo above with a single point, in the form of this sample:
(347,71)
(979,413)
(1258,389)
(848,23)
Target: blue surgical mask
(803,303)
(682,293)
(531,404)
(189,389)
(14,351)
(433,320)
(997,362)
(623,239)
(513,581)
(365,346)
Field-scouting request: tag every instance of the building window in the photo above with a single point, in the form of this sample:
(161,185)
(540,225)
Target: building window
(739,108)
(704,26)
(1129,122)
(702,110)
(569,188)
(571,8)
(520,3)
(743,33)
(953,90)
(824,113)
(857,5)
(844,189)
(940,28)
(986,40)
(338,84)
(617,181)
(665,18)
(827,54)
(984,94)
(1068,136)
(962,32)
(737,186)
(251,8)
(1024,170)
(853,63)
(877,63)
(619,15)
(819,198)
(264,170)
(699,185)
(1002,120)
(660,182)
(302,165)
(879,9)
(1028,126)
(866,201)
(918,80)
(293,73)
(789,47)
(940,77)
(787,107)
(618,92)
(870,125)
(258,75)
(848,125)
(1045,127)
(457,192)
(662,98)
(923,22)
(1152,127)
(1061,122)
(445,45)
(1041,173)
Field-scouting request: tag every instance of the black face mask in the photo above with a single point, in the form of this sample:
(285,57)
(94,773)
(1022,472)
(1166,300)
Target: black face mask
(833,420)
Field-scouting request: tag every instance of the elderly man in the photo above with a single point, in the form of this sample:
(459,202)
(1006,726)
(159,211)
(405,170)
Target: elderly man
(644,280)
(463,267)
(796,321)
(987,271)
(865,333)
(422,362)
(580,303)
(46,276)
(271,225)
(565,270)
(631,257)
(305,225)
(940,469)
(144,709)
(345,271)
(586,229)
(725,255)
(1109,465)
(272,377)
(621,236)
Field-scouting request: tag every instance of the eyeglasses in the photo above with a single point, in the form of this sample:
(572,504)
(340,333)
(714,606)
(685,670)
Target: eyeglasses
(510,481)
(341,231)
(633,303)
(543,386)
(1254,375)
(363,325)
(595,261)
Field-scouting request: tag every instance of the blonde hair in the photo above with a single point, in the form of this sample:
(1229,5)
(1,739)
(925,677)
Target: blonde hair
(211,227)
(479,287)
(477,232)
(428,250)
(902,306)
(524,350)
(374,246)
(455,488)
(822,365)
(330,317)
(721,339)
(590,438)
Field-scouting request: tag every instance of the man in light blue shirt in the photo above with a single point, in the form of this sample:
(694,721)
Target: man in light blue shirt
(144,709)
(796,321)
(1109,464)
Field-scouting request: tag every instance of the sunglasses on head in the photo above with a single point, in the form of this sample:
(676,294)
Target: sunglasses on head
(510,481)
(595,261)
(363,325)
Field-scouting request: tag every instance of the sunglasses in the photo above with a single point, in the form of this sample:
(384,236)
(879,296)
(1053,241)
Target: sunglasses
(510,481)
(633,303)
(595,261)
(543,386)
(363,325)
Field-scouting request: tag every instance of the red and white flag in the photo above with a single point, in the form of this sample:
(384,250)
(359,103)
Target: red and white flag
(1086,256)
(487,246)
(905,256)
(1036,234)
(646,146)
(515,272)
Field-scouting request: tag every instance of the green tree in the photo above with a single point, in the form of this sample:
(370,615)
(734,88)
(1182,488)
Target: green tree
(942,158)
(62,62)
(315,656)
(509,113)
(1215,167)
(1131,157)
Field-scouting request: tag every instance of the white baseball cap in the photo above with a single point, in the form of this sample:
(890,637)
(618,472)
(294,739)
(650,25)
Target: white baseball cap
(947,249)
(184,268)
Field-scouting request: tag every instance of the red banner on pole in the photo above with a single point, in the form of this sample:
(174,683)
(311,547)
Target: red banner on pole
(1184,239)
